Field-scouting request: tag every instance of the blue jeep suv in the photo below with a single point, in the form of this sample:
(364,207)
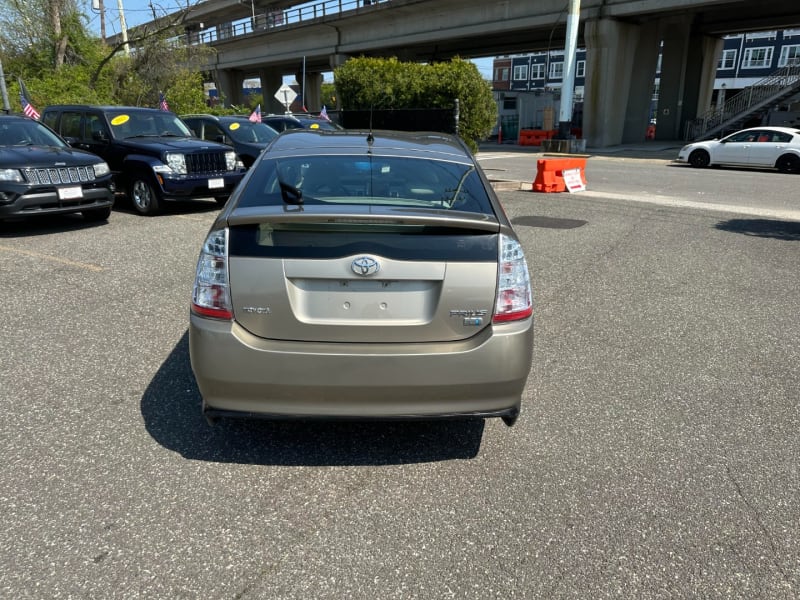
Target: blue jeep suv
(152,153)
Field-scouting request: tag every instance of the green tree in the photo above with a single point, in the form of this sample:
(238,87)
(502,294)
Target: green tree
(378,83)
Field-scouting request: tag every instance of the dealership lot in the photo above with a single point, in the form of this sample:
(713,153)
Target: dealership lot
(656,456)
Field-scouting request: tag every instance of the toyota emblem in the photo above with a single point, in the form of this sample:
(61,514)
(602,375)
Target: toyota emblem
(365,266)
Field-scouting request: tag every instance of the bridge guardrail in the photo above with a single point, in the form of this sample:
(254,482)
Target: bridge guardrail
(278,19)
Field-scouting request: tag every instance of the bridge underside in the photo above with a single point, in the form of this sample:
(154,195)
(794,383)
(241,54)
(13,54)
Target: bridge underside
(622,38)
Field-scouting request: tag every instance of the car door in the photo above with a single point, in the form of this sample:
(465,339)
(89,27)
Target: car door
(735,149)
(769,145)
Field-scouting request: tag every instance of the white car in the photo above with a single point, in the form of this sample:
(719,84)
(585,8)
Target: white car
(764,147)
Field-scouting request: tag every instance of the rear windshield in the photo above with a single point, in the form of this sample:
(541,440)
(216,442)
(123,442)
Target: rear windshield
(367,180)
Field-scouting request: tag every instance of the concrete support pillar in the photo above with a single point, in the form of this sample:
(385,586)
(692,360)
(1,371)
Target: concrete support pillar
(271,81)
(229,86)
(640,96)
(621,59)
(688,68)
(313,92)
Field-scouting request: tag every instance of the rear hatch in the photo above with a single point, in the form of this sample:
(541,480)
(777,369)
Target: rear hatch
(391,278)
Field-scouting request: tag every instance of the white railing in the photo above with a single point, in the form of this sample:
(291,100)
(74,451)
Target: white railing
(749,98)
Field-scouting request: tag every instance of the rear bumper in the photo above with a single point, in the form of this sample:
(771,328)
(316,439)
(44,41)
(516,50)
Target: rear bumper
(240,374)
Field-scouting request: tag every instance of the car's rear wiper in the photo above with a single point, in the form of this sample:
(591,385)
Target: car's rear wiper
(290,194)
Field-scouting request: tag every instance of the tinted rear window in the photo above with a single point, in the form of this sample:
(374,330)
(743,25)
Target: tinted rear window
(369,181)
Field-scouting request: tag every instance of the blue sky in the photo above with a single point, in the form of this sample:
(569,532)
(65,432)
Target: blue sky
(140,11)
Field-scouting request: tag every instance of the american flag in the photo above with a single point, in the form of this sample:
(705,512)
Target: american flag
(324,113)
(27,107)
(255,116)
(162,102)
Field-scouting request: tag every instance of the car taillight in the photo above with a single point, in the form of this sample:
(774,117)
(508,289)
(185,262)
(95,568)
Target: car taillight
(211,296)
(513,301)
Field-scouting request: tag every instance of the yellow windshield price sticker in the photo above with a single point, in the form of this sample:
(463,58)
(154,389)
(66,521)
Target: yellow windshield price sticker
(120,119)
(233,126)
(314,126)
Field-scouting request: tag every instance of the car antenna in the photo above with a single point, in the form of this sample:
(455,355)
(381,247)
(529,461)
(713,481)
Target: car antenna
(370,137)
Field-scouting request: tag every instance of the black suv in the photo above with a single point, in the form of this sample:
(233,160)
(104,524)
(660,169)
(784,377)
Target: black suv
(247,138)
(41,175)
(152,154)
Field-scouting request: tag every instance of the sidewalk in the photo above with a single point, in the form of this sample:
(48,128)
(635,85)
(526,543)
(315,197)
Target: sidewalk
(656,149)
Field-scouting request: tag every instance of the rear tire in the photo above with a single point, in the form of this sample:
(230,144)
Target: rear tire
(788,163)
(97,214)
(144,195)
(699,159)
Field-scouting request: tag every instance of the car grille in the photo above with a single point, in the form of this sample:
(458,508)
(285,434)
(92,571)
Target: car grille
(206,162)
(59,175)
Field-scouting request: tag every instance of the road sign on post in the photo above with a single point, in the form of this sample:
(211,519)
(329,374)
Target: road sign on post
(285,95)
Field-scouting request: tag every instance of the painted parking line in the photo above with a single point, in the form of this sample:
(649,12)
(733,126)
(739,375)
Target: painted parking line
(754,211)
(53,259)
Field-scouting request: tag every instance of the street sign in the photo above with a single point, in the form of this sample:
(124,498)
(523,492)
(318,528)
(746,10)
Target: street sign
(285,95)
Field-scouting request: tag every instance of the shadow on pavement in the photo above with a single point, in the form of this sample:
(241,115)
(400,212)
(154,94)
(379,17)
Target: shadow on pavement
(781,230)
(18,227)
(171,410)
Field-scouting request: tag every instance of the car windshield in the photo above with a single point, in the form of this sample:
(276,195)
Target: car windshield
(245,131)
(367,180)
(24,132)
(130,124)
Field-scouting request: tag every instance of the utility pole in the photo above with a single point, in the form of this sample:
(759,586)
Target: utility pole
(123,27)
(97,6)
(568,85)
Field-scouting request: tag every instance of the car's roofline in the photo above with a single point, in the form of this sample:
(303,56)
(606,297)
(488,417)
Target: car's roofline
(376,141)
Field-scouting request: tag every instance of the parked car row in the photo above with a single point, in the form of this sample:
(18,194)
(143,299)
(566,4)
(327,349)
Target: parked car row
(150,155)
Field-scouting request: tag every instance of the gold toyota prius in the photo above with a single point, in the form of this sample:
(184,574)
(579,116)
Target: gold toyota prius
(362,275)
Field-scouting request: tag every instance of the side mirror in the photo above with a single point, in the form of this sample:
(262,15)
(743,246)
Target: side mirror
(99,136)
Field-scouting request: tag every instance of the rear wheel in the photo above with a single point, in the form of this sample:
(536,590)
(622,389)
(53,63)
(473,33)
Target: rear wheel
(144,195)
(699,159)
(788,163)
(97,214)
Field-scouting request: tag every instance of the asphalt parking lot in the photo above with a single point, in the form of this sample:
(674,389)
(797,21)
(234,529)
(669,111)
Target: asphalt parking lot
(656,457)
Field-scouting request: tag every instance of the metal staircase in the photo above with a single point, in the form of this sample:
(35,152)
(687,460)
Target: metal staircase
(781,85)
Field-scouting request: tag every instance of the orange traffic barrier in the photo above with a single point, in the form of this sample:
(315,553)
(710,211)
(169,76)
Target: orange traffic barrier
(550,173)
(533,137)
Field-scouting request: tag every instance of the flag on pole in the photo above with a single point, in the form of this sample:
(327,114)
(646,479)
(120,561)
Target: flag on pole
(27,107)
(324,113)
(255,116)
(162,102)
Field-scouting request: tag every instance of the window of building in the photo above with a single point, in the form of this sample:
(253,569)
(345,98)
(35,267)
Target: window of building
(790,55)
(510,103)
(787,33)
(556,70)
(757,58)
(520,72)
(580,68)
(501,74)
(537,71)
(727,60)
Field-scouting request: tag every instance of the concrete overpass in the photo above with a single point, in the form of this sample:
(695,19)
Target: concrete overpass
(623,38)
